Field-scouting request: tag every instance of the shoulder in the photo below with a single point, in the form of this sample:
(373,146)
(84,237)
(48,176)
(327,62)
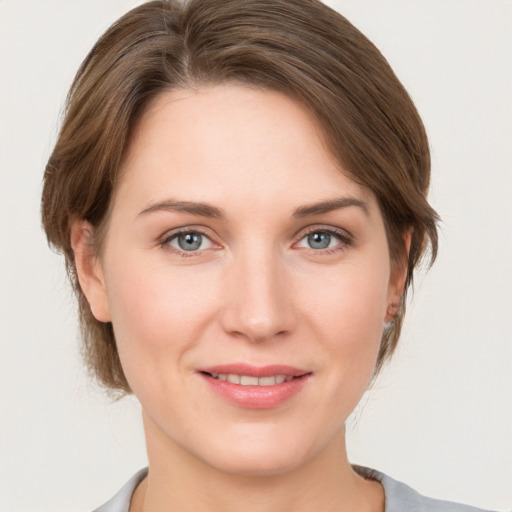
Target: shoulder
(402,498)
(121,501)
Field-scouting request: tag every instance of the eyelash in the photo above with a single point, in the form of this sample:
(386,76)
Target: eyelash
(344,239)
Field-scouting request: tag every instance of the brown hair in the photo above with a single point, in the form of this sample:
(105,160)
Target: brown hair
(301,48)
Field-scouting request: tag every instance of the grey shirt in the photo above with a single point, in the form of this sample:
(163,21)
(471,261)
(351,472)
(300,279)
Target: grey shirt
(399,497)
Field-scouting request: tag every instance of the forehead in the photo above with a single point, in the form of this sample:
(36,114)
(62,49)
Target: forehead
(231,142)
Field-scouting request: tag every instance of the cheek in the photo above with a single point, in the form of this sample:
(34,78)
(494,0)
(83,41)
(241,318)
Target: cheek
(353,302)
(349,317)
(156,312)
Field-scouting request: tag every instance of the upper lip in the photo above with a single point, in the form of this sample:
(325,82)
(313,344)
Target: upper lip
(255,371)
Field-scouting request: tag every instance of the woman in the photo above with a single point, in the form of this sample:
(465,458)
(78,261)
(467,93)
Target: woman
(239,189)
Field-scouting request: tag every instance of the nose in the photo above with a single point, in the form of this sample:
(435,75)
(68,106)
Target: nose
(258,300)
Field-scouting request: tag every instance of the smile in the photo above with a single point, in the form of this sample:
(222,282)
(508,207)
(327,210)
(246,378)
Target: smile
(249,380)
(252,387)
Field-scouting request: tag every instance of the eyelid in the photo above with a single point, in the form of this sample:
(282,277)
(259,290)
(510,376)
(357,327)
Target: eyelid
(326,228)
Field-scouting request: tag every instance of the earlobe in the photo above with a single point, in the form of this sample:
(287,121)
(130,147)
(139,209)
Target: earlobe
(89,271)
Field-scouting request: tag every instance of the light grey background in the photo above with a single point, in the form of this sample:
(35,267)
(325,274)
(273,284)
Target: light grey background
(440,418)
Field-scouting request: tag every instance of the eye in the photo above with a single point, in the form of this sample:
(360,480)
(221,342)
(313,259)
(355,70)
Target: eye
(188,241)
(321,239)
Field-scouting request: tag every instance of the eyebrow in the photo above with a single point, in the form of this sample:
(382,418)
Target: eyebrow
(207,210)
(202,209)
(329,206)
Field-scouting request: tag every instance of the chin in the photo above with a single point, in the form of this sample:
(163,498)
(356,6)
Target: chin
(261,453)
(258,464)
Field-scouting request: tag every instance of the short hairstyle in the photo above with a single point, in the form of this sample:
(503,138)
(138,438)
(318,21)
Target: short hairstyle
(301,48)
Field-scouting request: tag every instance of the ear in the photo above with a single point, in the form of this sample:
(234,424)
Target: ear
(89,271)
(397,279)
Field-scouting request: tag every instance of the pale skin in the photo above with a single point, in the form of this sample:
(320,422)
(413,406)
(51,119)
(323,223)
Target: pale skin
(287,262)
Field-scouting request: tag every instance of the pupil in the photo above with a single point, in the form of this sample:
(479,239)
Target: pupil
(189,241)
(319,240)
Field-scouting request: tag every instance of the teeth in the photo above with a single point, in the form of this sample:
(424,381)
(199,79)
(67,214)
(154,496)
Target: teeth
(266,381)
(248,380)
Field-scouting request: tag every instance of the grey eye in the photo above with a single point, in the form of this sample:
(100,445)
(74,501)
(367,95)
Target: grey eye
(189,241)
(319,240)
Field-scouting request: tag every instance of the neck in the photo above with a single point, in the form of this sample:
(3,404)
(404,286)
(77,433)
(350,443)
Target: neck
(178,480)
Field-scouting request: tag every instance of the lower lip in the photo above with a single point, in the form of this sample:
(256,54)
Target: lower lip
(256,397)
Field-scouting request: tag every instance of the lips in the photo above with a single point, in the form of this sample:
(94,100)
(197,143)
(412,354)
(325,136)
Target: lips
(255,387)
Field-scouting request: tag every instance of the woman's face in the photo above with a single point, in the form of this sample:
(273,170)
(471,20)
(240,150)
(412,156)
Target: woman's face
(239,255)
